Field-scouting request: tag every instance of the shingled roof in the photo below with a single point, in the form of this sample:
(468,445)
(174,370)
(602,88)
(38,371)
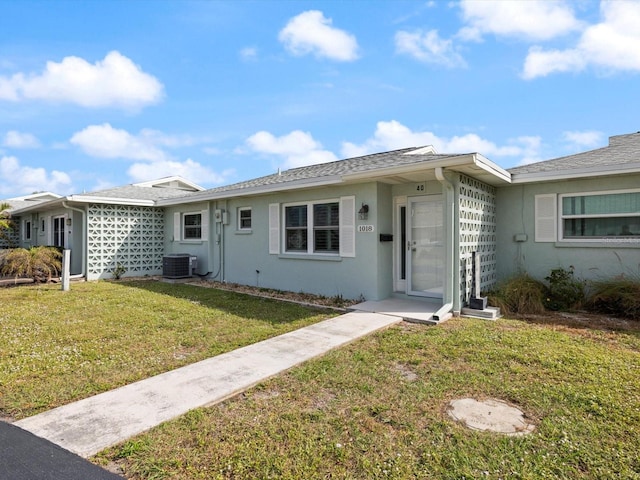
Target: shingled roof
(621,155)
(330,171)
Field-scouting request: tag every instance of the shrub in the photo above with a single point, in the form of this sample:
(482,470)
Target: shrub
(619,297)
(521,294)
(39,263)
(564,292)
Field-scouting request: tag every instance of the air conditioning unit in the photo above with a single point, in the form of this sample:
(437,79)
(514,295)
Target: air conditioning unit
(176,265)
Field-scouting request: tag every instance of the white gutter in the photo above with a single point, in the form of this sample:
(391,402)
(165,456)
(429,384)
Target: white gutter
(554,175)
(84,238)
(444,312)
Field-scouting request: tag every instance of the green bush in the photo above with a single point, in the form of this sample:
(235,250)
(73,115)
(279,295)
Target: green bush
(521,294)
(39,263)
(564,292)
(619,297)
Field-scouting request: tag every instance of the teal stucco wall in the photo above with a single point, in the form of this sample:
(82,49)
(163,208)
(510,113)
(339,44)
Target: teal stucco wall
(591,261)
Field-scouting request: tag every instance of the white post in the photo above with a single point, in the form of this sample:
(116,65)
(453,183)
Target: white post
(66,266)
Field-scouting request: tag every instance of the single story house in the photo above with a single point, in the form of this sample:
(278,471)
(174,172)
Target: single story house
(399,223)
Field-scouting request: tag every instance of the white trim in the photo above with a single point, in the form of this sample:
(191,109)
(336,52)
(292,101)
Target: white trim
(183,226)
(310,236)
(347,226)
(545,217)
(239,226)
(274,228)
(602,239)
(177,229)
(553,175)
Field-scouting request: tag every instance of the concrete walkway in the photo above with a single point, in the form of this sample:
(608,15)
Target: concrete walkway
(93,424)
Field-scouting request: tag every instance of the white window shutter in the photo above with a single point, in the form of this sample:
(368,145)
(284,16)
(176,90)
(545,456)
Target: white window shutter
(274,228)
(347,226)
(49,230)
(204,225)
(177,226)
(545,218)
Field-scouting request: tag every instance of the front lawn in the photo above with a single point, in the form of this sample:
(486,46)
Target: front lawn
(377,409)
(57,347)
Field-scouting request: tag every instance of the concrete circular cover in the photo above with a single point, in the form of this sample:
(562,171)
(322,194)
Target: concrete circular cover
(492,415)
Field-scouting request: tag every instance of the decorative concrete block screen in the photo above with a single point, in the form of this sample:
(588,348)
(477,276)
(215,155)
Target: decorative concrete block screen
(127,235)
(477,213)
(11,237)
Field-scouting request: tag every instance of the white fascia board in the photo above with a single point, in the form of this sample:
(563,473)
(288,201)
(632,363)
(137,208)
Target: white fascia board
(412,167)
(39,206)
(490,167)
(111,200)
(552,176)
(251,191)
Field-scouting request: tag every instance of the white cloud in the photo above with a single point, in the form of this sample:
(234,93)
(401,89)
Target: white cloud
(15,139)
(393,136)
(25,180)
(114,81)
(533,19)
(611,45)
(311,32)
(297,148)
(428,47)
(588,138)
(104,141)
(189,169)
(249,53)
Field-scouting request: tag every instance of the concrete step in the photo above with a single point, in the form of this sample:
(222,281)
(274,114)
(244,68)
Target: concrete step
(489,313)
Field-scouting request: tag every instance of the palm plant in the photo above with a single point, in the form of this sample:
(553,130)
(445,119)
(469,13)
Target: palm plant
(40,263)
(5,221)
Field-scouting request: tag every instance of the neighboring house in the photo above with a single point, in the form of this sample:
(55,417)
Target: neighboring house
(105,228)
(23,232)
(580,211)
(402,223)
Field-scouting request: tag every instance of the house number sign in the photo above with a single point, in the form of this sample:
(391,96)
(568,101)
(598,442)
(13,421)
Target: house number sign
(365,228)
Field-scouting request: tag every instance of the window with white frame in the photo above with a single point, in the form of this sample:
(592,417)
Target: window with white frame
(312,228)
(27,229)
(192,226)
(244,218)
(594,216)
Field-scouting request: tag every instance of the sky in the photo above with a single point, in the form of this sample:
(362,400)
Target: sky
(98,94)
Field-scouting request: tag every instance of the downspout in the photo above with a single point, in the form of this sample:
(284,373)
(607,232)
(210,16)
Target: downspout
(85,253)
(444,312)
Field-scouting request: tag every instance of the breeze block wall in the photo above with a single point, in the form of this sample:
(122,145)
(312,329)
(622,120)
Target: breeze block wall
(131,236)
(477,215)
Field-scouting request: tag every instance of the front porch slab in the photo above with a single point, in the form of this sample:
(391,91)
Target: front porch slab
(420,311)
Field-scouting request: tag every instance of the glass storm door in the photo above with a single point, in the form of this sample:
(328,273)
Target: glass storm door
(425,246)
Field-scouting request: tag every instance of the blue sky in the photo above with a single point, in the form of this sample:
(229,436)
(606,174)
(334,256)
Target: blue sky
(96,94)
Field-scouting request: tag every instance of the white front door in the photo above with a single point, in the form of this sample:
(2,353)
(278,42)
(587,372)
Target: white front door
(425,256)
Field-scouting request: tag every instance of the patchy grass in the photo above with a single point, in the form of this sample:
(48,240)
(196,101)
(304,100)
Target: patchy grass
(57,347)
(376,409)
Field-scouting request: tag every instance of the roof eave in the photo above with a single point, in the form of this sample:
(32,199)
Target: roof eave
(599,171)
(251,191)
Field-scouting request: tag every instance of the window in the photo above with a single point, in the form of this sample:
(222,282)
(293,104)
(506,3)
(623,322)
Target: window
(244,218)
(601,215)
(296,228)
(325,228)
(27,229)
(322,227)
(192,229)
(58,232)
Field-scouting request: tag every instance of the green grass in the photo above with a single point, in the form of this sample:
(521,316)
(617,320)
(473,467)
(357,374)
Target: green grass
(377,409)
(57,347)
